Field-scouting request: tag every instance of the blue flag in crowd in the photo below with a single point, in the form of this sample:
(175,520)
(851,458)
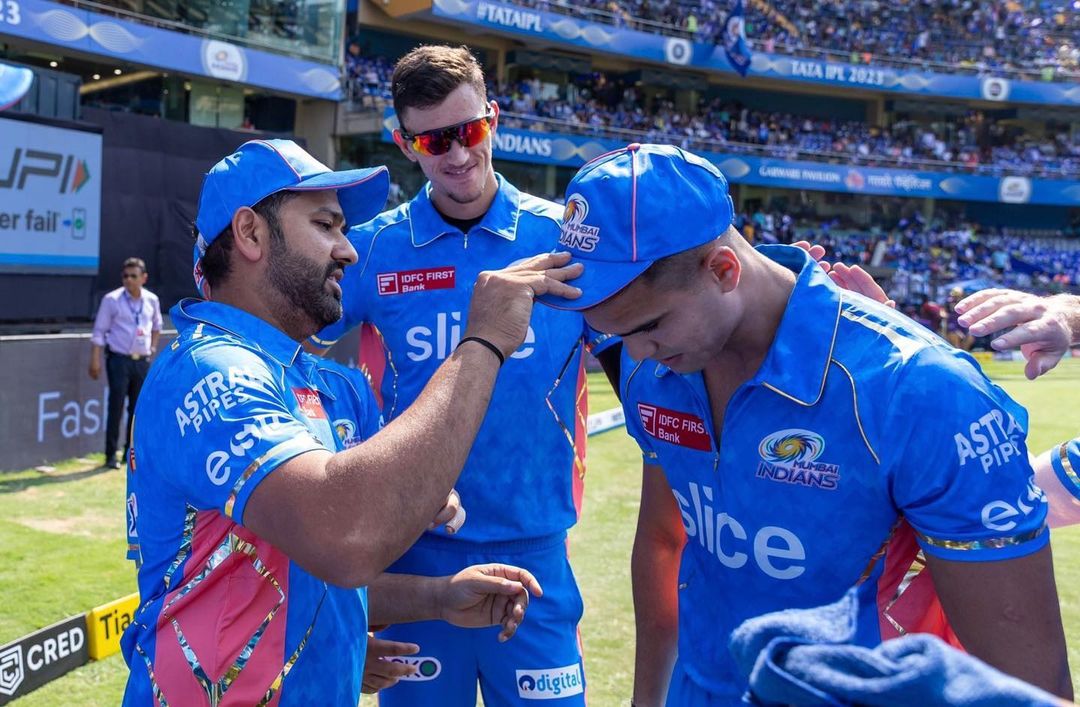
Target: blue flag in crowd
(735,45)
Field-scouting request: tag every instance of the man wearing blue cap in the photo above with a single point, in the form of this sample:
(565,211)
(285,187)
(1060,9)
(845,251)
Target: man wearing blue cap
(786,455)
(257,504)
(523,480)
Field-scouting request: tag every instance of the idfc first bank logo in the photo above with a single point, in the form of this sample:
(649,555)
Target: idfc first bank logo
(550,684)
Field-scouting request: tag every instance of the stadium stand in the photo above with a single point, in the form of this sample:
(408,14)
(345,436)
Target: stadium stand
(600,104)
(1030,37)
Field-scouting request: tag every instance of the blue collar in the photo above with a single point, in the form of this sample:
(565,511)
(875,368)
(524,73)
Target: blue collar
(500,220)
(798,360)
(270,340)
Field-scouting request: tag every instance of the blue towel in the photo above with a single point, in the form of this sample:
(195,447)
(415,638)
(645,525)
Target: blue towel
(804,657)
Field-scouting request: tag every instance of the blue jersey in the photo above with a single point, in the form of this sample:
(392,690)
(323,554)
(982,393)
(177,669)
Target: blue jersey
(860,432)
(413,285)
(224,612)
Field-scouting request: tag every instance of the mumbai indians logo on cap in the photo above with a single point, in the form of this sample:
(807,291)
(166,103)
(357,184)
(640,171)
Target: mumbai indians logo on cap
(792,445)
(575,234)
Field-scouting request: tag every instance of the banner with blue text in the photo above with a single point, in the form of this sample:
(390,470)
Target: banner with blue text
(575,150)
(512,19)
(101,35)
(50,199)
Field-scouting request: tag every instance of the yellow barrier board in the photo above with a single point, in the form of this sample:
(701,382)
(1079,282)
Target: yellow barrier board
(106,623)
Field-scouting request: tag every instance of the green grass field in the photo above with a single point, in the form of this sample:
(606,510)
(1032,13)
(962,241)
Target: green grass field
(62,549)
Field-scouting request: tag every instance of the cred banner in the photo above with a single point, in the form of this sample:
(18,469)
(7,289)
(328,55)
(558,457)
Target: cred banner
(43,656)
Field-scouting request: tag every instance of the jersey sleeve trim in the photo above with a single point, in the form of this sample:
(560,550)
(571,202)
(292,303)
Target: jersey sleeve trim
(983,549)
(262,466)
(1064,469)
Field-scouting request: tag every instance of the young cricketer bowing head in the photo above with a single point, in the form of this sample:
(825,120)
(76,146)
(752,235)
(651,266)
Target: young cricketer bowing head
(797,440)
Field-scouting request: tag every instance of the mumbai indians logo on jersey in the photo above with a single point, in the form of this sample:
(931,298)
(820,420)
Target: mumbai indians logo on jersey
(575,234)
(346,433)
(790,456)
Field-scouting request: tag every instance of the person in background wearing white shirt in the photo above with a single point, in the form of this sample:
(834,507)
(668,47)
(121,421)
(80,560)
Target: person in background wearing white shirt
(127,328)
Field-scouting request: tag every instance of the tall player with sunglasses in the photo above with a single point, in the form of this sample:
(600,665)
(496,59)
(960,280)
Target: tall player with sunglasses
(523,479)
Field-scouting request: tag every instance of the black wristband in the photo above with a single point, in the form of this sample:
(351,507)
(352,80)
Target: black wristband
(487,344)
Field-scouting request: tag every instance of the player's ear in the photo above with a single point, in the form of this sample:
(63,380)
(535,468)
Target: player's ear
(250,237)
(403,145)
(723,263)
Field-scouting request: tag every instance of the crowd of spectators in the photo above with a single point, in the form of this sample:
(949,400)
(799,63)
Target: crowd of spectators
(1039,38)
(367,77)
(920,262)
(599,105)
(602,106)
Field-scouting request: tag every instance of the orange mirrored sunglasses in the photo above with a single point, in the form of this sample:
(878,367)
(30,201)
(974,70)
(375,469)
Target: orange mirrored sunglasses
(438,142)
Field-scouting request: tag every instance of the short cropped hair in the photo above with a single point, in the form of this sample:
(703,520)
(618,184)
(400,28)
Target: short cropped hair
(135,263)
(427,75)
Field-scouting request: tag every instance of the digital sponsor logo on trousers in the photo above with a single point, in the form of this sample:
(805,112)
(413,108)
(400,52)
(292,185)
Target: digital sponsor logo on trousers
(551,683)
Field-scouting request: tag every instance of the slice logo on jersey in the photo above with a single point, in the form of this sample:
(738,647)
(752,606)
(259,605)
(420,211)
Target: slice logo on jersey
(346,433)
(310,404)
(674,427)
(427,668)
(550,684)
(440,340)
(11,670)
(575,234)
(791,457)
(992,440)
(406,281)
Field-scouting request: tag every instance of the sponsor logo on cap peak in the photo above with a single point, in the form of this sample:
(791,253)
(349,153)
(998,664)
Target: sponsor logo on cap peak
(11,670)
(427,667)
(575,234)
(550,683)
(406,281)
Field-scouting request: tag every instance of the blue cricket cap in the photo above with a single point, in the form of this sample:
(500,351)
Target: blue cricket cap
(15,81)
(628,208)
(260,168)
